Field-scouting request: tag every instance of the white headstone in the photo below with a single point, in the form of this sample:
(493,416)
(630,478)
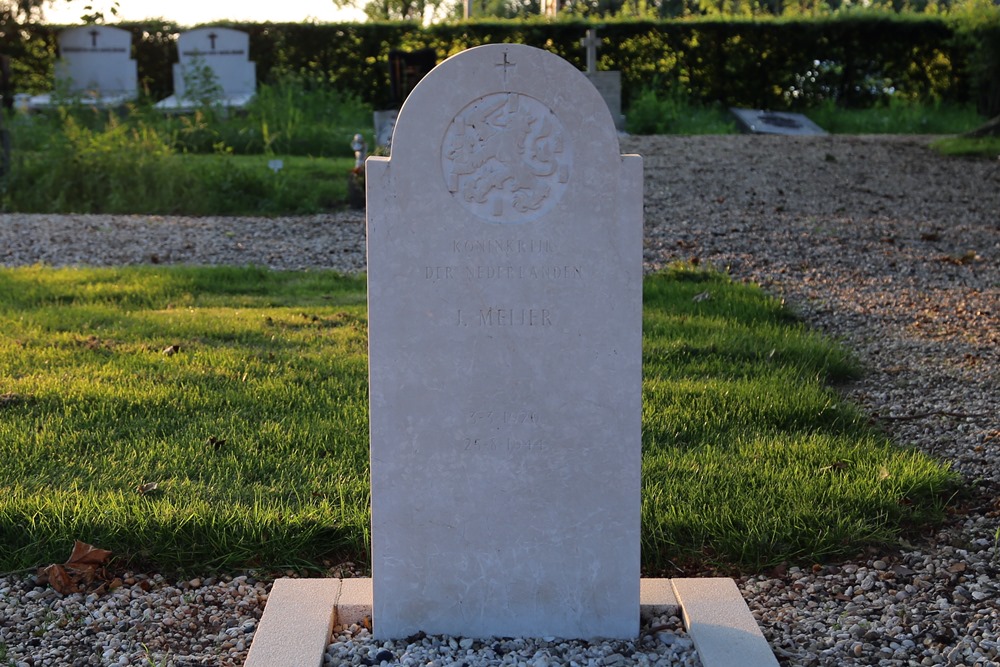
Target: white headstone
(95,65)
(213,68)
(505,318)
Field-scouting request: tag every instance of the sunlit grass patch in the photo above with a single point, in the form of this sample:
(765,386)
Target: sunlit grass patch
(217,417)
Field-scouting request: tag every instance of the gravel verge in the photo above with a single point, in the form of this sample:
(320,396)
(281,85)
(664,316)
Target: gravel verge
(875,240)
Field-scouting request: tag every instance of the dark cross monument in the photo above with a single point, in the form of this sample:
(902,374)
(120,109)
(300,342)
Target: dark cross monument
(6,102)
(406,68)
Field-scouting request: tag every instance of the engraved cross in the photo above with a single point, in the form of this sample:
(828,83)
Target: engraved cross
(212,36)
(505,64)
(93,38)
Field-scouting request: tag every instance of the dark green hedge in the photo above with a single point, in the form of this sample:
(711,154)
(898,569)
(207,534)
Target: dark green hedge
(855,60)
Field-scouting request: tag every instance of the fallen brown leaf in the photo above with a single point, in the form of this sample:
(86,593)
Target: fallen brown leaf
(84,567)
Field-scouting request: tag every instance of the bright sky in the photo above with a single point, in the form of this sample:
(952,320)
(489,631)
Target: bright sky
(191,12)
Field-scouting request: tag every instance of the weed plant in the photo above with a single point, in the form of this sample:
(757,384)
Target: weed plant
(209,162)
(241,394)
(296,115)
(673,112)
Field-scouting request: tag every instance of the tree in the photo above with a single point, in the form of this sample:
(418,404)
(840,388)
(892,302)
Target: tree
(503,9)
(393,10)
(15,13)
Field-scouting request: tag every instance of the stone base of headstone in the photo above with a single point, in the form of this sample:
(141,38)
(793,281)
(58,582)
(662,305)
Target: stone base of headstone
(301,613)
(609,85)
(758,121)
(183,105)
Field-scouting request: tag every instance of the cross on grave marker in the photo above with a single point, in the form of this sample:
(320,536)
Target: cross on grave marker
(93,38)
(212,37)
(591,42)
(505,64)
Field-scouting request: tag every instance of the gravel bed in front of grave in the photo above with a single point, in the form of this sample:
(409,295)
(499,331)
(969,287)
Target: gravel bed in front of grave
(874,240)
(662,642)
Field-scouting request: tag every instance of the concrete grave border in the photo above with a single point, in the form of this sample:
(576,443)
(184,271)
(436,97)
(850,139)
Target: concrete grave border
(301,613)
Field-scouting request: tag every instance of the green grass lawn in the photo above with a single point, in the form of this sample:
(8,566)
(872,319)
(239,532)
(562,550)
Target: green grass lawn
(241,394)
(980,147)
(175,183)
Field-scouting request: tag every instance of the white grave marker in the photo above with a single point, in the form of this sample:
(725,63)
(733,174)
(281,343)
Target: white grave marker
(213,68)
(505,317)
(95,66)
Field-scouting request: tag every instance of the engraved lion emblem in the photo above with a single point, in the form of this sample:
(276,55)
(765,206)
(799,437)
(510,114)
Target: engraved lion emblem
(505,157)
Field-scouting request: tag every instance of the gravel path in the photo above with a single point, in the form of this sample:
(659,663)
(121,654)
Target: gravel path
(875,240)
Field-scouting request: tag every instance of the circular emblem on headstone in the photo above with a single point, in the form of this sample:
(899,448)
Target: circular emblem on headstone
(506,158)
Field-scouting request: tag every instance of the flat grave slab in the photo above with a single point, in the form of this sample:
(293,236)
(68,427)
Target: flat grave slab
(757,121)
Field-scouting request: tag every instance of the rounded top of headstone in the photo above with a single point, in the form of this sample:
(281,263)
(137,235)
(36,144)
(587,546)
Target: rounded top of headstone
(508,128)
(215,33)
(94,37)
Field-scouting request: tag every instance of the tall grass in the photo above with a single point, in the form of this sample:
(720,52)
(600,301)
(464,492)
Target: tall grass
(672,112)
(210,162)
(898,116)
(133,167)
(241,393)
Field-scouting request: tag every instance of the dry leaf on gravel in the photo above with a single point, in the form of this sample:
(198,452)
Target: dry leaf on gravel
(84,567)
